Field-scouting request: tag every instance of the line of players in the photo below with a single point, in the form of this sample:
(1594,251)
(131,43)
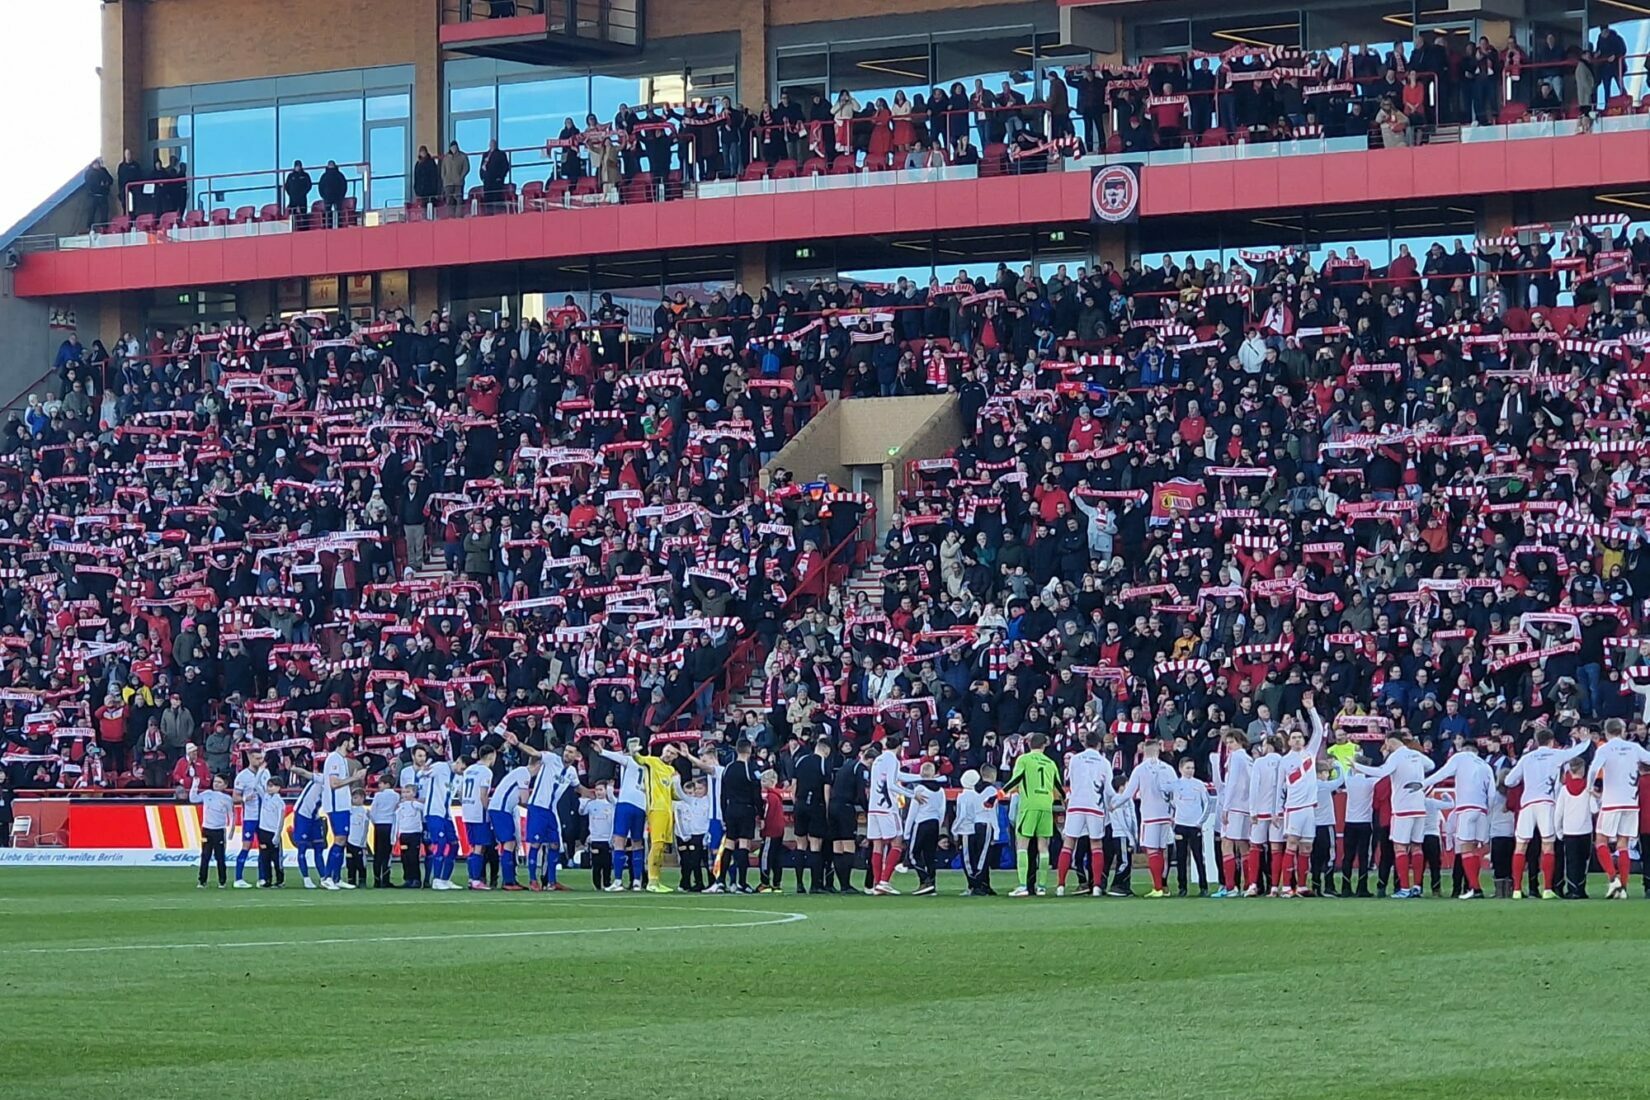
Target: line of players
(1272,805)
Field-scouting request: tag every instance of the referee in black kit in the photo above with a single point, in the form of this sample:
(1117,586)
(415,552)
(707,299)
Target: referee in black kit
(849,797)
(742,808)
(812,776)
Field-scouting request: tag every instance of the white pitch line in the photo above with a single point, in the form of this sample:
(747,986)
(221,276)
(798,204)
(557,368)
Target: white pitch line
(775,918)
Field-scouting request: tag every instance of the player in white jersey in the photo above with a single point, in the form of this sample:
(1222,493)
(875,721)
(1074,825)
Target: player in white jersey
(1265,821)
(338,774)
(1298,782)
(1088,786)
(1469,822)
(556,774)
(1406,766)
(1152,782)
(308,832)
(882,816)
(474,787)
(1537,773)
(435,790)
(1232,809)
(1616,763)
(506,799)
(250,783)
(629,819)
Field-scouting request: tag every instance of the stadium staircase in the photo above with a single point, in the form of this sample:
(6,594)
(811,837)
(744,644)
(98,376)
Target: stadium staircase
(865,581)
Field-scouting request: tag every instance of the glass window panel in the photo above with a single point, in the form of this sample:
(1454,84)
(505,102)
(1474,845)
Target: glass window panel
(321,131)
(472,135)
(237,149)
(387,155)
(169,127)
(608,93)
(532,112)
(470,99)
(389,106)
(870,71)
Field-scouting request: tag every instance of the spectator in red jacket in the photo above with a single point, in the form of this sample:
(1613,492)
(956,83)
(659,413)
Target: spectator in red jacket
(773,835)
(191,769)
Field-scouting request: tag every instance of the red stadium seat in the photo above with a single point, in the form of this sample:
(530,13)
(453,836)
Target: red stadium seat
(145,223)
(532,195)
(993,159)
(219,216)
(245,214)
(755,170)
(844,165)
(555,193)
(815,166)
(194,219)
(785,170)
(122,224)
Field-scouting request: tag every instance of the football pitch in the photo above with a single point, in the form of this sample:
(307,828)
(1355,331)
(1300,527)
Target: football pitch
(132,982)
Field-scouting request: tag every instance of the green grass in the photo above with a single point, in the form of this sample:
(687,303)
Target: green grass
(421,995)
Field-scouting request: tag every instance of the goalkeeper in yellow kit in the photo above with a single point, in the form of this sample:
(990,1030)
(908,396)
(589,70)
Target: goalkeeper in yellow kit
(657,778)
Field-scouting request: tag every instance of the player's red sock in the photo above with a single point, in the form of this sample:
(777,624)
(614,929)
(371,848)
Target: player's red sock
(1547,861)
(1154,858)
(1251,867)
(1400,862)
(1469,868)
(1605,860)
(1303,870)
(1519,861)
(1624,866)
(894,852)
(878,861)
(1065,864)
(1097,866)
(1228,871)
(1277,868)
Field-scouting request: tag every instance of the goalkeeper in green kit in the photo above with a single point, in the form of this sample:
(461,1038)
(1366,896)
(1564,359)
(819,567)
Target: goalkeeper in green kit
(1036,780)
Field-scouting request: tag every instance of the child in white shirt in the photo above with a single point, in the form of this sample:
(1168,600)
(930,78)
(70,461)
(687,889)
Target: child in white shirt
(692,824)
(355,847)
(1574,813)
(271,824)
(599,813)
(409,833)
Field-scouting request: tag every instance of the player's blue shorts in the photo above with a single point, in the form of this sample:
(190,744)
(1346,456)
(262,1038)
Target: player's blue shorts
(249,831)
(305,830)
(479,833)
(438,830)
(503,826)
(542,826)
(629,822)
(716,831)
(339,820)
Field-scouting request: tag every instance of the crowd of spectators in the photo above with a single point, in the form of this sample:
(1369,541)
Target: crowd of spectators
(236,532)
(651,152)
(1184,497)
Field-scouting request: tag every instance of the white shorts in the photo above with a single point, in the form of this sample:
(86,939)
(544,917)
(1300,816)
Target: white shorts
(1409,829)
(1081,823)
(1535,819)
(1265,830)
(1234,825)
(1470,826)
(1618,822)
(882,825)
(1157,834)
(1301,823)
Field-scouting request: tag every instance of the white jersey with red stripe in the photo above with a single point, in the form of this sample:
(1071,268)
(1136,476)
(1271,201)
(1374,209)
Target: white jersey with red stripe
(1234,785)
(1617,762)
(1474,781)
(1265,773)
(1088,782)
(1152,782)
(1299,772)
(1537,771)
(1406,768)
